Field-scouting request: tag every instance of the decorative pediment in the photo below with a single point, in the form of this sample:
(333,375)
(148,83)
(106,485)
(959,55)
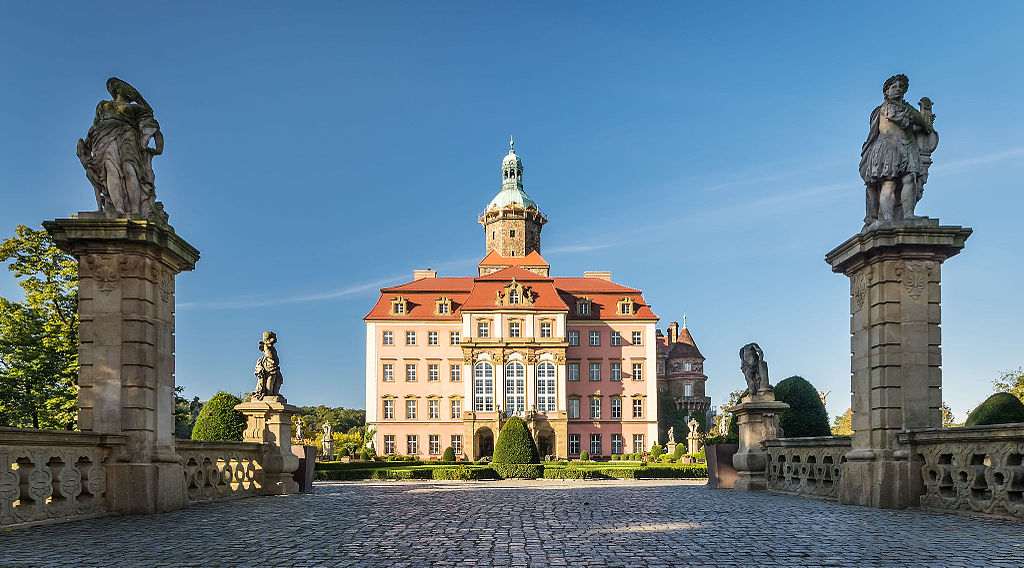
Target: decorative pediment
(399,306)
(584,306)
(515,294)
(443,306)
(626,306)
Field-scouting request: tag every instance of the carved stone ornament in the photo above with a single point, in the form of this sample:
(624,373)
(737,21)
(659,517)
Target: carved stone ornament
(914,275)
(166,285)
(268,368)
(755,369)
(861,282)
(560,359)
(104,270)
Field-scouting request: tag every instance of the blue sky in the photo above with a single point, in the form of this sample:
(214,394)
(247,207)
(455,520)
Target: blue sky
(707,155)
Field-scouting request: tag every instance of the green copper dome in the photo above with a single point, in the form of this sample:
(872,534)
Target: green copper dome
(511,196)
(511,184)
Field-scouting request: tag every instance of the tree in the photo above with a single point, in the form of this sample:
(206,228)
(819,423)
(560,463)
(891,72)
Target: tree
(1000,408)
(948,418)
(806,415)
(1011,382)
(39,336)
(843,424)
(218,420)
(185,413)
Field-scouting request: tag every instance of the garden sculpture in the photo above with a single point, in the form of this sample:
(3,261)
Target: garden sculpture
(268,368)
(754,368)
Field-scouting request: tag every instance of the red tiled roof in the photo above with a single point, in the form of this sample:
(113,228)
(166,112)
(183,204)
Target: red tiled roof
(495,259)
(575,285)
(485,293)
(449,284)
(604,306)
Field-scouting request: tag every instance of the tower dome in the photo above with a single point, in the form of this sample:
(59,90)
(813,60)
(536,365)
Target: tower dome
(512,220)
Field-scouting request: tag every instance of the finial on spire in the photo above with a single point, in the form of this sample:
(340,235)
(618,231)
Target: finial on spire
(511,144)
(684,319)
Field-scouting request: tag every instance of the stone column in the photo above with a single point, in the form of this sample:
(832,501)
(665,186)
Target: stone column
(692,442)
(126,268)
(758,420)
(896,379)
(269,422)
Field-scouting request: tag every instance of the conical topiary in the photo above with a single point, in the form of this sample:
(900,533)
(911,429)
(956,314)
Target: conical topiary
(806,415)
(449,455)
(218,420)
(1000,408)
(515,443)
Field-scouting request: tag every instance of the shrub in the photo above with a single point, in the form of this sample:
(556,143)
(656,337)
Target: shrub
(680,450)
(615,457)
(518,470)
(218,420)
(806,415)
(656,451)
(570,473)
(345,453)
(584,455)
(363,454)
(700,456)
(1000,408)
(515,444)
(398,458)
(449,455)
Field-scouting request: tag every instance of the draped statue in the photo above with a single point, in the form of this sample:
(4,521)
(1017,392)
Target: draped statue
(268,368)
(118,151)
(754,368)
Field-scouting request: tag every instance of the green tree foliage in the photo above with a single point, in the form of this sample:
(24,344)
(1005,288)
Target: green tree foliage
(515,443)
(342,420)
(656,451)
(843,424)
(449,455)
(185,413)
(806,415)
(948,418)
(218,420)
(1011,382)
(39,336)
(1000,408)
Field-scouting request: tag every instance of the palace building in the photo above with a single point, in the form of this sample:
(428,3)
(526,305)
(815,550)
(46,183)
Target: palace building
(449,359)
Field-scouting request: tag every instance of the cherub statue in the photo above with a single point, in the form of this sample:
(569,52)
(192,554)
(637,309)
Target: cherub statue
(754,368)
(268,368)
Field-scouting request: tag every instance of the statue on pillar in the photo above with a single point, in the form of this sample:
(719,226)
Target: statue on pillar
(754,368)
(118,151)
(894,160)
(268,369)
(672,434)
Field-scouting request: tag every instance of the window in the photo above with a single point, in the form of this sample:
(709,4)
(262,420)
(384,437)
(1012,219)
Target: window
(511,233)
(626,308)
(515,388)
(412,445)
(457,444)
(574,444)
(545,387)
(410,338)
(616,371)
(455,338)
(455,373)
(687,389)
(389,409)
(595,408)
(410,409)
(583,307)
(410,372)
(595,371)
(398,306)
(616,443)
(483,387)
(483,329)
(388,338)
(388,372)
(638,408)
(433,372)
(456,408)
(595,444)
(616,339)
(434,409)
(638,443)
(574,408)
(574,337)
(574,371)
(687,366)
(513,296)
(638,337)
(595,338)
(616,408)
(513,329)
(545,329)
(431,338)
(638,371)
(443,308)
(389,444)
(434,444)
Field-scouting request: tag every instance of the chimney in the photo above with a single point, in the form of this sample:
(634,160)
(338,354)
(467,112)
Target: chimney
(421,274)
(599,274)
(673,332)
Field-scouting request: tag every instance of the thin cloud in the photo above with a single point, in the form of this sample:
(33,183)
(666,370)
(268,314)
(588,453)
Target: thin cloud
(968,163)
(257,302)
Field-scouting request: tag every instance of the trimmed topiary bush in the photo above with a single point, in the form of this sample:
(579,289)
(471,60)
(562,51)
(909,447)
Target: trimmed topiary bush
(219,421)
(1000,408)
(449,455)
(584,455)
(806,415)
(515,443)
(518,470)
(656,451)
(680,450)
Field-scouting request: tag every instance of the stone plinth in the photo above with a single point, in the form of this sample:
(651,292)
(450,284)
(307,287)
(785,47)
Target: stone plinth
(126,269)
(692,442)
(896,379)
(757,416)
(670,448)
(269,422)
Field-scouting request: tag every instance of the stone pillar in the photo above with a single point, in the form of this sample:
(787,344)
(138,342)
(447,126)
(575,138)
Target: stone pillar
(670,448)
(692,442)
(269,422)
(126,269)
(758,420)
(896,379)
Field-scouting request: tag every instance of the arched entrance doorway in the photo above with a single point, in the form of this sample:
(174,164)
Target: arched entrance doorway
(483,443)
(546,443)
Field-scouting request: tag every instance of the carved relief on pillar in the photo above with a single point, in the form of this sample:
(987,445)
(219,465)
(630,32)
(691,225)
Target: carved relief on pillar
(531,358)
(166,283)
(103,268)
(914,276)
(560,359)
(859,284)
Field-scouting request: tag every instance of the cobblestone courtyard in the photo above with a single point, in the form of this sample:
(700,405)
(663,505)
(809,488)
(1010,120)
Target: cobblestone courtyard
(517,523)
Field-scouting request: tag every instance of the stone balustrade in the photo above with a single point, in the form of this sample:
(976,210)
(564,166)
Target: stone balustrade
(806,466)
(974,468)
(53,475)
(220,470)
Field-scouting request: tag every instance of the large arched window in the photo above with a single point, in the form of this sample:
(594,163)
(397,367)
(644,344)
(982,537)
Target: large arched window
(545,387)
(483,387)
(515,388)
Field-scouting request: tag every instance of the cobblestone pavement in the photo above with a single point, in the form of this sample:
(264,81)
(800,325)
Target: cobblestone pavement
(522,524)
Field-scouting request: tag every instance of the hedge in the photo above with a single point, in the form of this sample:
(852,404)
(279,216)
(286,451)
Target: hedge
(338,466)
(460,472)
(806,415)
(219,421)
(684,471)
(1000,408)
(515,444)
(518,470)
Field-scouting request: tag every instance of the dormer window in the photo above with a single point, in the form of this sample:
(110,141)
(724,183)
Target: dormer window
(626,307)
(399,306)
(583,306)
(443,306)
(514,294)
